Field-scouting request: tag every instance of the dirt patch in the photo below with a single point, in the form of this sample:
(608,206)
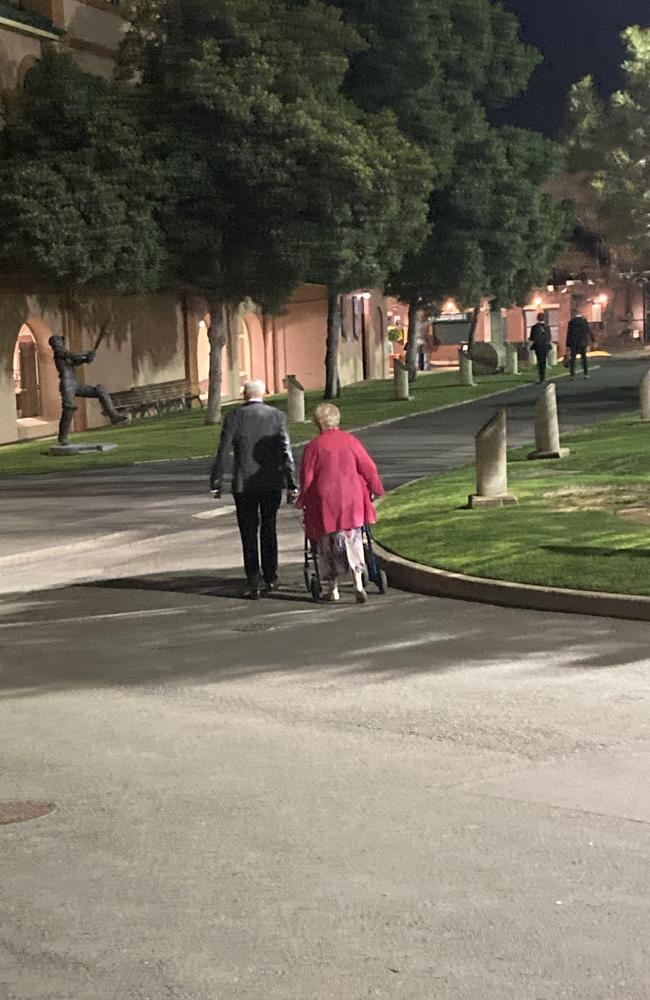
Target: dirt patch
(574,498)
(637,515)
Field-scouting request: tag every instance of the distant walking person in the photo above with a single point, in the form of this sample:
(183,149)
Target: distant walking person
(579,337)
(338,482)
(540,338)
(263,465)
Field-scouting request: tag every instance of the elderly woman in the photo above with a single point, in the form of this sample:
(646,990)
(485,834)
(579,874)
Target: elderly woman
(338,481)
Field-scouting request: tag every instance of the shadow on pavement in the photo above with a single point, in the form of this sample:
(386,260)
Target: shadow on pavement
(191,628)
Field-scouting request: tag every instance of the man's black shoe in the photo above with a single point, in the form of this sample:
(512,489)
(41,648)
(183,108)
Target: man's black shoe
(251,592)
(272,587)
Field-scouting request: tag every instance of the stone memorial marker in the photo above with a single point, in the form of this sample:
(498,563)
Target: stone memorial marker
(401,377)
(466,370)
(645,397)
(552,356)
(547,427)
(512,360)
(295,400)
(492,466)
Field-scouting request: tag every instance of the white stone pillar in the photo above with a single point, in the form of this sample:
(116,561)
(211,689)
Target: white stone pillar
(551,361)
(645,397)
(466,372)
(401,381)
(512,360)
(295,400)
(492,465)
(547,427)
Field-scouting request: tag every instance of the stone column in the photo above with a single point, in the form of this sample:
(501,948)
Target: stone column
(645,397)
(551,361)
(547,428)
(465,365)
(401,377)
(295,400)
(512,360)
(492,465)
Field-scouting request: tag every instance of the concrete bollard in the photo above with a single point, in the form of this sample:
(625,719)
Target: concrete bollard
(401,381)
(547,427)
(512,360)
(466,372)
(551,361)
(295,400)
(492,466)
(645,397)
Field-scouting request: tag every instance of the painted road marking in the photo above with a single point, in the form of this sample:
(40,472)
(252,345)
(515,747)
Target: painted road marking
(219,512)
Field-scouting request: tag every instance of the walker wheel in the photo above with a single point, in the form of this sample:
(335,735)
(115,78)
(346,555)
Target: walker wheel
(382,582)
(316,589)
(307,577)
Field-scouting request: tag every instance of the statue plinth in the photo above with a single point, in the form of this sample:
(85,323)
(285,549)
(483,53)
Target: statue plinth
(547,428)
(492,466)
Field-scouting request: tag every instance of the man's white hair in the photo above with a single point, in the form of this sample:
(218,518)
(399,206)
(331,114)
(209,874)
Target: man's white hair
(254,389)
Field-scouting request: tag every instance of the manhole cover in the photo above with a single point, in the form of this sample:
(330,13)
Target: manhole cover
(21,812)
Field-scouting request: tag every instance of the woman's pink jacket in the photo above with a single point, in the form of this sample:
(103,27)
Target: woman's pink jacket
(338,479)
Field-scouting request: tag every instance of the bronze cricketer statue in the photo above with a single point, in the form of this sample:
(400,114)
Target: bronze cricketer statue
(66,362)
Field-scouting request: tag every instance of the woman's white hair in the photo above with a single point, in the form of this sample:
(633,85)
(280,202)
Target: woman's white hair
(326,415)
(254,389)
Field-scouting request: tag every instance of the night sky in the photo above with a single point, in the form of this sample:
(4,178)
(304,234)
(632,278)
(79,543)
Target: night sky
(576,38)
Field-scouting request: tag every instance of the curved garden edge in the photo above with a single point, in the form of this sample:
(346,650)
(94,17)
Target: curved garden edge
(416,578)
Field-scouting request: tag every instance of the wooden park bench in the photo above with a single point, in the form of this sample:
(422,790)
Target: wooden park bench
(156,400)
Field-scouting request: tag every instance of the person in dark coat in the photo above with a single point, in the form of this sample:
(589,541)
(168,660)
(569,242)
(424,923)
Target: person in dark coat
(70,388)
(263,465)
(540,339)
(579,337)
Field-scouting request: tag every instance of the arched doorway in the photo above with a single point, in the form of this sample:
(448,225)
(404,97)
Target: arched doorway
(381,347)
(26,375)
(252,356)
(245,353)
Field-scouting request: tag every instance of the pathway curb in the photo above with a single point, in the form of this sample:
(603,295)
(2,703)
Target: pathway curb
(416,578)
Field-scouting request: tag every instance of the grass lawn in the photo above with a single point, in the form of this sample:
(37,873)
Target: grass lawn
(186,436)
(565,532)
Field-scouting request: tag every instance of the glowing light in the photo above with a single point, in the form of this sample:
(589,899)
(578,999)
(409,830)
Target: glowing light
(450,307)
(537,301)
(603,299)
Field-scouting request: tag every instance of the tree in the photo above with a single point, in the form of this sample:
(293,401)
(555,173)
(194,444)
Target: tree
(276,177)
(440,67)
(608,142)
(78,190)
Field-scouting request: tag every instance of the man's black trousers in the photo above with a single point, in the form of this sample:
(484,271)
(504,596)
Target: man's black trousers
(541,364)
(256,516)
(575,351)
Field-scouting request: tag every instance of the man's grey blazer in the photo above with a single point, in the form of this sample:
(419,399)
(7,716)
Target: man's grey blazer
(262,460)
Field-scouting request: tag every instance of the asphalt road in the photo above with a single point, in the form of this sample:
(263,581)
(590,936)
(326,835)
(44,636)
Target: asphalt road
(418,798)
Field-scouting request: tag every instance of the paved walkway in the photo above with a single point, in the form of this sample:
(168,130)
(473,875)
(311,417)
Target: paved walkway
(283,801)
(148,518)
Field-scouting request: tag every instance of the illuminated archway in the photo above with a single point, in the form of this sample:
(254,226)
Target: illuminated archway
(26,375)
(203,362)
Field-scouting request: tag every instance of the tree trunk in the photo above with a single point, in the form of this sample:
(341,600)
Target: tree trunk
(412,342)
(476,312)
(217,339)
(332,381)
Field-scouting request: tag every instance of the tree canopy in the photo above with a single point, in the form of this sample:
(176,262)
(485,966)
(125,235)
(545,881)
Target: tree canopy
(245,104)
(608,142)
(78,191)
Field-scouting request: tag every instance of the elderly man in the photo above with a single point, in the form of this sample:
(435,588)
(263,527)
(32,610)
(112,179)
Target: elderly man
(263,465)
